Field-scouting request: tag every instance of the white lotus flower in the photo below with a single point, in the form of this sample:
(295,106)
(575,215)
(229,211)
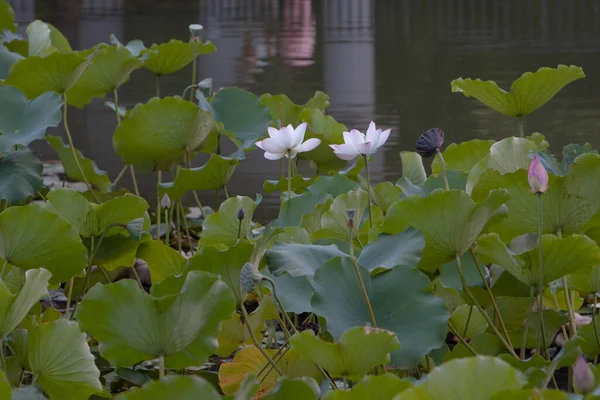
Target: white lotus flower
(286,141)
(357,143)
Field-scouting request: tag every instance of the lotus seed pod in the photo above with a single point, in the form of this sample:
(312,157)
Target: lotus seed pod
(195,30)
(430,142)
(250,277)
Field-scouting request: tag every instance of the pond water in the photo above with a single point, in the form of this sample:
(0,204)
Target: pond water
(386,60)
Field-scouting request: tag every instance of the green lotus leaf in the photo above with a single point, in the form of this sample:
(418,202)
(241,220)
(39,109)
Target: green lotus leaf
(385,194)
(293,211)
(115,251)
(300,259)
(571,152)
(181,327)
(412,167)
(61,359)
(16,306)
(449,277)
(450,221)
(20,175)
(561,256)
(472,378)
(372,387)
(94,175)
(569,205)
(135,47)
(241,113)
(552,322)
(5,387)
(528,93)
(17,342)
(7,59)
(463,156)
(7,17)
(468,320)
(211,176)
(281,104)
(484,344)
(402,300)
(299,184)
(303,388)
(161,130)
(44,39)
(178,387)
(166,58)
(223,227)
(163,261)
(33,237)
(248,388)
(505,156)
(227,264)
(294,291)
(589,342)
(387,251)
(120,210)
(57,72)
(586,282)
(22,121)
(527,394)
(109,69)
(335,220)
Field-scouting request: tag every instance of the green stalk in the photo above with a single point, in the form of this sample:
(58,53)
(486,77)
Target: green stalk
(159,180)
(118,178)
(570,307)
(257,344)
(137,277)
(4,268)
(193,71)
(289,180)
(68,307)
(540,299)
(73,151)
(594,323)
(185,225)
(134,180)
(239,229)
(178,228)
(116,99)
(278,300)
(461,339)
(480,308)
(167,225)
(468,321)
(368,190)
(444,172)
(194,194)
(520,123)
(158,86)
(360,281)
(161,367)
(527,320)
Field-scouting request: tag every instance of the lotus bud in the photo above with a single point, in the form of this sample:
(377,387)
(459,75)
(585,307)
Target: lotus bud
(537,176)
(206,84)
(195,31)
(250,277)
(241,214)
(351,214)
(135,228)
(430,142)
(165,203)
(583,376)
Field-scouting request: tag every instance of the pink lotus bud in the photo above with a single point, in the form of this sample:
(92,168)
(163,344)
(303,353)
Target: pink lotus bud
(583,377)
(538,177)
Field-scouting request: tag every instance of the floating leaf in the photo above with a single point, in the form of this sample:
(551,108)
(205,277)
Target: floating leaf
(166,58)
(161,130)
(213,175)
(16,306)
(528,93)
(33,237)
(94,175)
(372,387)
(182,326)
(44,39)
(61,359)
(561,256)
(402,301)
(222,227)
(20,175)
(463,156)
(303,388)
(188,387)
(388,251)
(109,69)
(22,121)
(57,72)
(300,259)
(358,350)
(449,220)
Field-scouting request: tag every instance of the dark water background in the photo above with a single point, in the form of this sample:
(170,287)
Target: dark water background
(385,60)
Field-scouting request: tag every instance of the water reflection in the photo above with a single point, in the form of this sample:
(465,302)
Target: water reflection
(389,60)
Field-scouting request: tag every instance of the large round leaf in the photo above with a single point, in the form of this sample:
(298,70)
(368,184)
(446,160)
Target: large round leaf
(528,93)
(473,378)
(358,350)
(387,251)
(20,175)
(166,58)
(57,72)
(303,388)
(163,261)
(560,256)
(450,221)
(402,300)
(569,204)
(161,130)
(14,307)
(586,282)
(182,327)
(61,359)
(178,387)
(372,387)
(22,121)
(109,69)
(33,237)
(223,227)
(300,259)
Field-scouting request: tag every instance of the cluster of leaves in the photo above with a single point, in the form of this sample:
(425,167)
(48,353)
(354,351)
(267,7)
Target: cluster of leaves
(443,263)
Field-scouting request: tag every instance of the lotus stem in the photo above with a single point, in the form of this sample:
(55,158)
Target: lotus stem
(257,344)
(562,327)
(225,191)
(193,71)
(239,233)
(73,151)
(279,303)
(68,307)
(480,308)
(368,190)
(527,320)
(161,367)
(159,180)
(4,268)
(185,225)
(158,85)
(444,172)
(520,123)
(492,298)
(289,180)
(194,194)
(178,228)
(116,100)
(461,339)
(594,323)
(360,281)
(137,277)
(3,357)
(268,367)
(118,178)
(540,299)
(90,261)
(468,321)
(167,225)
